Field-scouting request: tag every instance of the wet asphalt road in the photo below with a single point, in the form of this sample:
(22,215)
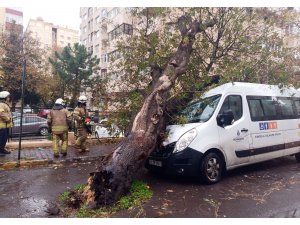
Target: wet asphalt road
(28,192)
(269,189)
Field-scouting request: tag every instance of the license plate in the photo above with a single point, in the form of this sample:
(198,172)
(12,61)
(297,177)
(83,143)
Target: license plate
(155,163)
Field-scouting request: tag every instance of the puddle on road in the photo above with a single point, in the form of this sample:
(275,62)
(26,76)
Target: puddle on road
(34,207)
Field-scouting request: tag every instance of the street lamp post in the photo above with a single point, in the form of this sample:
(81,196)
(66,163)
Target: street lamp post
(22,106)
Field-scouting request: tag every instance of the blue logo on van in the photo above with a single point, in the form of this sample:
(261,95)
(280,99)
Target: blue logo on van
(263,126)
(268,125)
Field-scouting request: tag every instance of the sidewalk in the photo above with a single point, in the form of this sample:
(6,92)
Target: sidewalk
(39,152)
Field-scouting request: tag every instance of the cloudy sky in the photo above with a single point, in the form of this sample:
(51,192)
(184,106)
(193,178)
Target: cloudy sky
(58,16)
(66,12)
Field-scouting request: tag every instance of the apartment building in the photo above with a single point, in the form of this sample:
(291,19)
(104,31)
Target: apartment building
(291,39)
(100,28)
(51,36)
(9,16)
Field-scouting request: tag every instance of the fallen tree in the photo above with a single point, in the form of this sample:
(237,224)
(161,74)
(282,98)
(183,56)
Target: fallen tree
(227,34)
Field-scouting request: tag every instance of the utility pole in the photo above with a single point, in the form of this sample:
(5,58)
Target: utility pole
(22,103)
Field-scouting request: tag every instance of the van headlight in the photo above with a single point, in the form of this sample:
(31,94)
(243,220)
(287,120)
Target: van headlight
(185,140)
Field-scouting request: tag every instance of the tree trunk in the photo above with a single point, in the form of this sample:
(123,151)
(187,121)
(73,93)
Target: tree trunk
(117,171)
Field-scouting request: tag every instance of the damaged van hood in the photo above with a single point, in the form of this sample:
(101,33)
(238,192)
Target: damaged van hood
(174,132)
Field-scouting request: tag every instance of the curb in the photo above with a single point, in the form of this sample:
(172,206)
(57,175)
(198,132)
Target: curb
(27,144)
(46,162)
(48,143)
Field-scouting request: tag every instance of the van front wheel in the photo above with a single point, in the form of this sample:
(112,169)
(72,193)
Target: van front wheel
(212,168)
(297,156)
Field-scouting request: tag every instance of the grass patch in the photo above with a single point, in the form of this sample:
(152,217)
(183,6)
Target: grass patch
(65,197)
(79,188)
(139,193)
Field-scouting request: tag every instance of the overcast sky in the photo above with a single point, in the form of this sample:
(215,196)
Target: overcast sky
(58,16)
(66,12)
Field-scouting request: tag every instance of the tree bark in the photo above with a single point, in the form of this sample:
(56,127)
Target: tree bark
(117,171)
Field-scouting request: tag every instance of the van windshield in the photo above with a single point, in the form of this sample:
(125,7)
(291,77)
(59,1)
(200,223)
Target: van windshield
(201,110)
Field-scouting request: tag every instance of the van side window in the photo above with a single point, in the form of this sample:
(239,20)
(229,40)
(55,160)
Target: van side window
(233,102)
(269,107)
(286,106)
(297,105)
(264,108)
(256,110)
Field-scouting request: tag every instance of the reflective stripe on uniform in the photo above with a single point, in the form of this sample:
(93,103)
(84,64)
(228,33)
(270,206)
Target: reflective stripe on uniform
(59,128)
(5,125)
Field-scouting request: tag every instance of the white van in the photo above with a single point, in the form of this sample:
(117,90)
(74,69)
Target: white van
(233,125)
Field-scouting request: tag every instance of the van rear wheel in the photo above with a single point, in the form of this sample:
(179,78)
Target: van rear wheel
(212,168)
(297,156)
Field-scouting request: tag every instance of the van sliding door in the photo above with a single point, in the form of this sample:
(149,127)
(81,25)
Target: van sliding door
(266,129)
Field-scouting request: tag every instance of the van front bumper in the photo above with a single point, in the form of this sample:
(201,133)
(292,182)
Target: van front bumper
(186,162)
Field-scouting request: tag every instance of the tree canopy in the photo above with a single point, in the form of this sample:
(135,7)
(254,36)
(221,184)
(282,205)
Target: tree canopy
(243,45)
(76,68)
(17,48)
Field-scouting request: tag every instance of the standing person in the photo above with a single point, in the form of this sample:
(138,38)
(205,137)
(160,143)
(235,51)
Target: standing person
(59,119)
(5,121)
(80,114)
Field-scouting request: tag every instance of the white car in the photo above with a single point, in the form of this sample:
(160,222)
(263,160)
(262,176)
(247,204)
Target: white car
(103,131)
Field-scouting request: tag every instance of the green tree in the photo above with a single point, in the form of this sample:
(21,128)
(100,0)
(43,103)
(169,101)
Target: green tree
(76,68)
(17,48)
(171,60)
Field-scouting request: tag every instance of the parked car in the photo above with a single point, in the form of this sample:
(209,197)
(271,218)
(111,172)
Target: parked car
(16,114)
(104,130)
(32,124)
(27,109)
(43,113)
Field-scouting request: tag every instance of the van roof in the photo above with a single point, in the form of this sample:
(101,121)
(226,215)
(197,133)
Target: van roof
(253,89)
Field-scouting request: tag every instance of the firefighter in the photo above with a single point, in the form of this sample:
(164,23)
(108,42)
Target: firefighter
(59,120)
(80,115)
(5,121)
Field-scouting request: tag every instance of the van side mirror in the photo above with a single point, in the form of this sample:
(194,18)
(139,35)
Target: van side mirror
(226,118)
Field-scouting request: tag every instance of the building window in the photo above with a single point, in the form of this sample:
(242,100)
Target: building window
(127,29)
(114,55)
(114,12)
(98,19)
(62,36)
(97,34)
(97,49)
(14,19)
(90,25)
(84,42)
(90,12)
(84,29)
(85,16)
(91,37)
(104,13)
(122,29)
(90,49)
(104,58)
